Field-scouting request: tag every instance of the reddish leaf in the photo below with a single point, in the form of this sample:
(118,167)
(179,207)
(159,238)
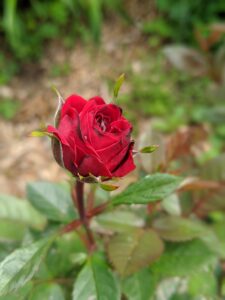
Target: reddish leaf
(185,141)
(187,59)
(132,251)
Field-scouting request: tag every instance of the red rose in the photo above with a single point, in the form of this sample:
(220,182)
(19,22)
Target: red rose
(94,138)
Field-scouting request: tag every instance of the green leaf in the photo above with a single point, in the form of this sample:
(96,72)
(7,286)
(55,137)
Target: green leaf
(20,294)
(39,133)
(172,205)
(148,189)
(172,289)
(140,286)
(119,221)
(177,229)
(95,18)
(220,233)
(183,259)
(5,250)
(52,200)
(21,265)
(203,283)
(223,287)
(214,169)
(118,85)
(96,281)
(19,210)
(213,243)
(132,251)
(149,149)
(11,231)
(50,291)
(67,252)
(108,187)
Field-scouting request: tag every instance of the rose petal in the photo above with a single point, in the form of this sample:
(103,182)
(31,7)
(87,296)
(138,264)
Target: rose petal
(91,165)
(112,111)
(91,132)
(73,101)
(126,165)
(69,151)
(116,160)
(75,151)
(93,105)
(55,131)
(69,157)
(97,100)
(95,138)
(121,125)
(113,154)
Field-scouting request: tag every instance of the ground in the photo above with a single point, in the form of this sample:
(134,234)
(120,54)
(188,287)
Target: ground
(87,71)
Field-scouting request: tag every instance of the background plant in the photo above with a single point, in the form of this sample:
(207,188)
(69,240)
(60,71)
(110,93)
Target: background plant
(169,222)
(162,230)
(178,21)
(27,26)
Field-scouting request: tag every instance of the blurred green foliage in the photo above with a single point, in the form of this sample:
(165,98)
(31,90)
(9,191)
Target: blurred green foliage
(173,99)
(158,92)
(25,27)
(8,68)
(58,70)
(8,108)
(178,19)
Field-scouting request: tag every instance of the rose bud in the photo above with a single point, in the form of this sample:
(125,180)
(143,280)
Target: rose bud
(92,138)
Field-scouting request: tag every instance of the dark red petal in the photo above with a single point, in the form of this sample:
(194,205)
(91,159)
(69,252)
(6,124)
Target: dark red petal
(93,105)
(112,111)
(126,165)
(90,130)
(68,152)
(118,158)
(68,128)
(74,101)
(69,157)
(121,125)
(101,140)
(91,165)
(97,100)
(75,133)
(55,131)
(84,157)
(113,154)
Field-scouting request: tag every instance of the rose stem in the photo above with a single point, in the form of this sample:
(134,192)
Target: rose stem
(74,196)
(97,210)
(91,198)
(70,227)
(81,209)
(74,225)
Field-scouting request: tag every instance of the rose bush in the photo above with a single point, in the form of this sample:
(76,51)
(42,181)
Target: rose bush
(93,138)
(114,246)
